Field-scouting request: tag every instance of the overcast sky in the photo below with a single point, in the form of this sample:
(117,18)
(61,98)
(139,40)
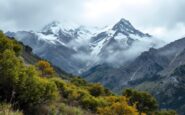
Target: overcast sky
(162,18)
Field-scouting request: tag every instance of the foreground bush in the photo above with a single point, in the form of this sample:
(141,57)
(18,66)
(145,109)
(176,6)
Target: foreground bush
(33,90)
(6,109)
(117,106)
(166,112)
(145,103)
(20,84)
(69,110)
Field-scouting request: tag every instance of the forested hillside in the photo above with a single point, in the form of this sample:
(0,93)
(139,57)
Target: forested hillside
(34,88)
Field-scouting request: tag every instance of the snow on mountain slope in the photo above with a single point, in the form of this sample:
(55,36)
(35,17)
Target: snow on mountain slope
(55,26)
(74,48)
(96,48)
(73,35)
(119,37)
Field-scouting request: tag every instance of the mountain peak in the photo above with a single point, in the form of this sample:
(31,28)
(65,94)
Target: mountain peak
(125,22)
(49,27)
(54,23)
(55,26)
(123,25)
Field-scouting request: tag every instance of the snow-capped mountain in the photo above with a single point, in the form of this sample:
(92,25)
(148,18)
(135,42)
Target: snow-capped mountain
(75,48)
(119,37)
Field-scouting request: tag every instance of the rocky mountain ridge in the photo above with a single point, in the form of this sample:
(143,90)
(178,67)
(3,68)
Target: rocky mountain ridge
(76,48)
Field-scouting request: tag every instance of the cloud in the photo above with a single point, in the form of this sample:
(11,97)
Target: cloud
(169,34)
(147,15)
(119,57)
(115,54)
(33,14)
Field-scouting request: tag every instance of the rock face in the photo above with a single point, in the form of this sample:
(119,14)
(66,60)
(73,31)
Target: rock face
(76,48)
(159,71)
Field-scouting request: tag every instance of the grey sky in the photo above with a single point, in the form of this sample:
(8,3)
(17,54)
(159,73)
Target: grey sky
(163,18)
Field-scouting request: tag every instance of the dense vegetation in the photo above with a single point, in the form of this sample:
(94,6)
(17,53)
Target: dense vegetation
(37,90)
(6,109)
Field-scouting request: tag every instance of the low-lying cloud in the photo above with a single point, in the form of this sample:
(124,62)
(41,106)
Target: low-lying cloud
(118,57)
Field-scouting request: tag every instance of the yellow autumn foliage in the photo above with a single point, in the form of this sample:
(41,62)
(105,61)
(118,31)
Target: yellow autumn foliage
(117,105)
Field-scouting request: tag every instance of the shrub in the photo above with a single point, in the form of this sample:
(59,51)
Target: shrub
(117,106)
(6,109)
(69,110)
(145,103)
(92,103)
(166,112)
(33,90)
(45,69)
(96,90)
(7,44)
(79,81)
(10,67)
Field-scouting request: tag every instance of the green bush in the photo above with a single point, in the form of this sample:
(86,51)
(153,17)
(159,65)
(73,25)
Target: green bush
(166,112)
(10,67)
(33,90)
(62,86)
(145,103)
(7,44)
(69,110)
(92,103)
(6,109)
(117,105)
(96,90)
(21,84)
(79,81)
